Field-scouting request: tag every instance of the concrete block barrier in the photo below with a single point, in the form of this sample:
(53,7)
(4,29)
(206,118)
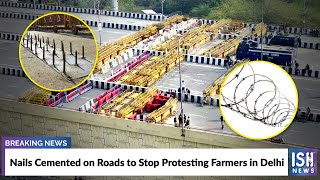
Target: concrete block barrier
(302,72)
(156,17)
(109,85)
(205,60)
(310,45)
(208,21)
(314,117)
(114,25)
(227,36)
(10,36)
(12,71)
(138,51)
(16,15)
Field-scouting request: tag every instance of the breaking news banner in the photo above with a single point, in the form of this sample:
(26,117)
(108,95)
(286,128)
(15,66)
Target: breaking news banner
(53,156)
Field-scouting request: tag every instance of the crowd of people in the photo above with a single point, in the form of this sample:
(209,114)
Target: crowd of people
(182,120)
(297,70)
(185,90)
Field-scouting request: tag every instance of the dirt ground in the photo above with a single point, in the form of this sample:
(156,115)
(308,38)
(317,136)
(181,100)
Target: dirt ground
(45,75)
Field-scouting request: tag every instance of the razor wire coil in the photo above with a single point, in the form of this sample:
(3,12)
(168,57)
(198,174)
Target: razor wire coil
(275,108)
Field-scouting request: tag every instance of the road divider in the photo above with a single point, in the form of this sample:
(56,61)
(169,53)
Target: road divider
(11,71)
(153,17)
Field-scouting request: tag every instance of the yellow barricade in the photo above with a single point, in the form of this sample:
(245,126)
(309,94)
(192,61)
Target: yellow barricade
(260,29)
(162,114)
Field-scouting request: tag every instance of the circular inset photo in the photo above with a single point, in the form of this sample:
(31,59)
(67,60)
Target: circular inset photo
(258,100)
(58,51)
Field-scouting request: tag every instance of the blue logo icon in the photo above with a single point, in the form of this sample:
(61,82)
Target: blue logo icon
(303,162)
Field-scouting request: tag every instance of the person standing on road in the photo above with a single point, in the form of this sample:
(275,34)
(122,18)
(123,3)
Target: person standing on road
(222,122)
(175,122)
(180,120)
(187,125)
(308,113)
(297,68)
(307,67)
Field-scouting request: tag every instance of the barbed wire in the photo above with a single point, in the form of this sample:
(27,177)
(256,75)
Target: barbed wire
(275,108)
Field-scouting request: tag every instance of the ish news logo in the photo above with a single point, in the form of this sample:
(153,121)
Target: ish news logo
(303,162)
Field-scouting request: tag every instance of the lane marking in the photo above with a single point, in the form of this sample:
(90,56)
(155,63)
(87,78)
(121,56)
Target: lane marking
(309,89)
(197,116)
(314,99)
(12,86)
(305,78)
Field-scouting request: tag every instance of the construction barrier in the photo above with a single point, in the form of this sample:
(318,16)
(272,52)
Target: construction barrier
(106,53)
(56,100)
(260,30)
(93,105)
(57,103)
(128,67)
(192,38)
(87,106)
(165,35)
(109,51)
(132,105)
(208,21)
(61,94)
(163,113)
(224,48)
(120,106)
(64,97)
(137,52)
(140,101)
(214,89)
(150,71)
(108,85)
(103,100)
(106,93)
(117,60)
(264,40)
(72,95)
(227,36)
(85,88)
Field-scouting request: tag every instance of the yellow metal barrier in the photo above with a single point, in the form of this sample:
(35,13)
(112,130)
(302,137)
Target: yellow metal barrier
(224,48)
(109,51)
(150,71)
(139,102)
(162,114)
(260,29)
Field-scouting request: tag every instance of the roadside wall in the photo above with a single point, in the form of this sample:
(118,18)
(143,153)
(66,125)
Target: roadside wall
(93,131)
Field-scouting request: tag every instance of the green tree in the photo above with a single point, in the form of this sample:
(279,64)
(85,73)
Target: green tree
(201,11)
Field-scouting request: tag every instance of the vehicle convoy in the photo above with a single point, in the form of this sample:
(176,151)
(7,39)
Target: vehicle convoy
(58,22)
(281,55)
